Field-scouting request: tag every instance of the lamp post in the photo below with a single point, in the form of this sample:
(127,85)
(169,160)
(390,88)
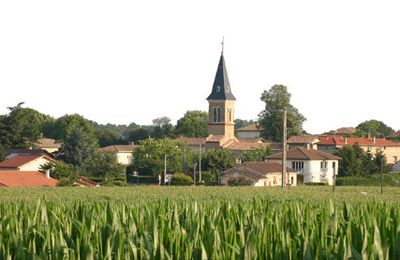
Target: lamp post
(200,162)
(165,170)
(284,149)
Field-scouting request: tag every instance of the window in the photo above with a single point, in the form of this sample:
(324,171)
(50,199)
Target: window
(298,166)
(230,115)
(324,165)
(395,159)
(291,180)
(219,114)
(214,114)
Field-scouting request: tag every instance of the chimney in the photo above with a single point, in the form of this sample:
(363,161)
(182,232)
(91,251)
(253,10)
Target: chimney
(374,139)
(47,172)
(345,140)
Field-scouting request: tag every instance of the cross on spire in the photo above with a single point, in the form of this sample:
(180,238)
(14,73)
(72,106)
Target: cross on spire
(222,43)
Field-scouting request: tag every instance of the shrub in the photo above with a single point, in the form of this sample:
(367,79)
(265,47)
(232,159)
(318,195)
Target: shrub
(316,184)
(240,182)
(390,179)
(181,179)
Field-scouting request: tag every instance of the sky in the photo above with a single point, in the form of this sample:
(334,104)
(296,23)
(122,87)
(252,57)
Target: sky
(133,61)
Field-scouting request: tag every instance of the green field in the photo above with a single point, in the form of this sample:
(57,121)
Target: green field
(200,223)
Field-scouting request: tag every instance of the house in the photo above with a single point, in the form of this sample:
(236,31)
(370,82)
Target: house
(82,181)
(26,179)
(260,174)
(25,162)
(306,141)
(124,152)
(249,131)
(9,153)
(343,131)
(314,165)
(391,149)
(47,144)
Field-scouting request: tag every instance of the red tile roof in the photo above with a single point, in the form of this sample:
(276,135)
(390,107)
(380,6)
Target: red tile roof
(192,140)
(25,179)
(303,139)
(305,154)
(340,141)
(20,160)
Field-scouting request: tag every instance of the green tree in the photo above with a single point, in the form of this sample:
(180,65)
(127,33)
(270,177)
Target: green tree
(61,171)
(138,134)
(103,165)
(21,127)
(66,125)
(193,124)
(239,123)
(2,154)
(380,162)
(78,147)
(350,164)
(217,160)
(374,128)
(162,128)
(150,155)
(271,118)
(256,154)
(108,137)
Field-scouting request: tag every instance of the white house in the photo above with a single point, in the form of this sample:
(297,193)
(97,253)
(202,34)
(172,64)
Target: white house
(25,163)
(259,174)
(314,165)
(124,152)
(250,131)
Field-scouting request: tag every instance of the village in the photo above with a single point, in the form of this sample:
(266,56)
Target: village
(226,155)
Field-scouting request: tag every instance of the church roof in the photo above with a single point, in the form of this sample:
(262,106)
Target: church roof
(221,88)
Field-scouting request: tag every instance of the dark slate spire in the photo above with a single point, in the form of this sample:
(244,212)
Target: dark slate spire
(221,89)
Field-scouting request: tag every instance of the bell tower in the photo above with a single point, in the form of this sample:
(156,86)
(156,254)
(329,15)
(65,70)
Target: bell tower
(221,103)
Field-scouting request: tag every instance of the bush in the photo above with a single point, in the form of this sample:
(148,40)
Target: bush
(240,182)
(316,184)
(181,179)
(390,179)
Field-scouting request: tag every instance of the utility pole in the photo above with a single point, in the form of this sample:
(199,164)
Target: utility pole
(200,163)
(334,179)
(284,168)
(381,175)
(165,170)
(194,173)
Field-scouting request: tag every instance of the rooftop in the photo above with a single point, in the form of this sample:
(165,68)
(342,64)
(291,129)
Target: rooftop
(305,154)
(20,160)
(250,128)
(25,179)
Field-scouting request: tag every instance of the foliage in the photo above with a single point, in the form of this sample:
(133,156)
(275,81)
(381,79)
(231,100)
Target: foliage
(256,154)
(240,182)
(66,125)
(374,128)
(355,161)
(61,171)
(139,134)
(150,155)
(271,118)
(78,147)
(21,127)
(162,128)
(217,160)
(389,179)
(108,137)
(193,124)
(239,123)
(2,154)
(103,165)
(180,179)
(199,223)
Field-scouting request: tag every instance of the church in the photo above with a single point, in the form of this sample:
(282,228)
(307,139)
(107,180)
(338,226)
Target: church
(221,116)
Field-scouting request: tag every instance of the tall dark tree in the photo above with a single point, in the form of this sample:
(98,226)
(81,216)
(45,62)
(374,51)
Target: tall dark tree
(138,134)
(276,100)
(193,124)
(66,125)
(218,160)
(78,147)
(256,154)
(103,165)
(21,127)
(162,128)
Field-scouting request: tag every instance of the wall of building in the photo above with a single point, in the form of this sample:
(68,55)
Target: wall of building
(248,134)
(124,158)
(34,165)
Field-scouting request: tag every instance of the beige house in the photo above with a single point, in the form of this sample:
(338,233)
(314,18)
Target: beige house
(260,174)
(391,149)
(313,165)
(25,163)
(250,131)
(47,144)
(124,152)
(305,141)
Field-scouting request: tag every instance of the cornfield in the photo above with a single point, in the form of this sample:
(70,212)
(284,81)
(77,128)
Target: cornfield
(199,223)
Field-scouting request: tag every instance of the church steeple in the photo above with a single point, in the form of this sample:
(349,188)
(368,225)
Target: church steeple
(221,103)
(221,89)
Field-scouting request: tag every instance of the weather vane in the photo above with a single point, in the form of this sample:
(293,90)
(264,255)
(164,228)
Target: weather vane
(222,43)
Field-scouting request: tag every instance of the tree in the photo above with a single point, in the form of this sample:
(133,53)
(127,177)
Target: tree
(239,123)
(108,137)
(66,125)
(256,154)
(380,162)
(374,128)
(193,124)
(78,147)
(149,157)
(2,154)
(217,160)
(162,127)
(21,127)
(138,134)
(61,171)
(103,165)
(271,118)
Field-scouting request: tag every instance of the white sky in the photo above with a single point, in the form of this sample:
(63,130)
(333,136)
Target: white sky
(133,61)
